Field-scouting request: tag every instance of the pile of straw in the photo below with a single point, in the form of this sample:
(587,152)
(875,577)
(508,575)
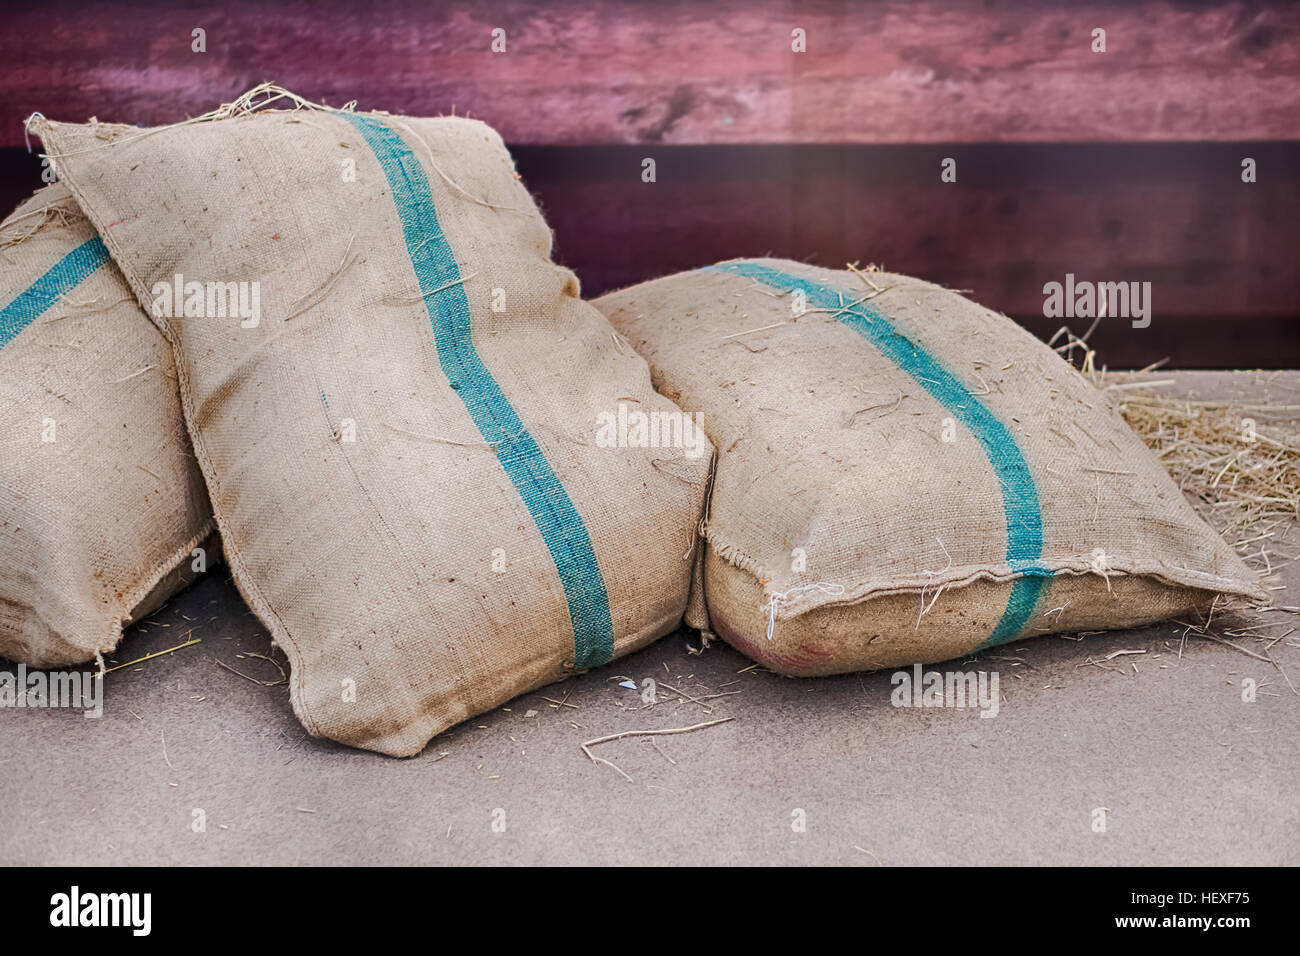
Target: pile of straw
(1238,463)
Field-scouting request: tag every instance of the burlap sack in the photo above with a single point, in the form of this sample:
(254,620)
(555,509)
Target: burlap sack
(403,451)
(101,502)
(905,476)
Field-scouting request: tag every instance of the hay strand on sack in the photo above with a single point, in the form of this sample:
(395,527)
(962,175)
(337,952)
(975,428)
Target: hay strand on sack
(259,98)
(242,105)
(321,293)
(47,213)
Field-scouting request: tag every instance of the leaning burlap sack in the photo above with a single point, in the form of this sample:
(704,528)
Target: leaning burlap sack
(402,449)
(905,476)
(101,502)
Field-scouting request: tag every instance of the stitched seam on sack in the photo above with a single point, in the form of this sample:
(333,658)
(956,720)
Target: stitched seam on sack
(441,285)
(133,599)
(1021,508)
(968,575)
(732,554)
(964,575)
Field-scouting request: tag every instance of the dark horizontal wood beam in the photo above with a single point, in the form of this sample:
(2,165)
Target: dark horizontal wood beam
(1220,254)
(1215,249)
(682,71)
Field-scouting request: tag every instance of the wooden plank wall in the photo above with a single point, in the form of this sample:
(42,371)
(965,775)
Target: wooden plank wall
(1123,165)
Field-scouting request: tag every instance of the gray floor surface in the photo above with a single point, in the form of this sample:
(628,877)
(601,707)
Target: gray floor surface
(1161,742)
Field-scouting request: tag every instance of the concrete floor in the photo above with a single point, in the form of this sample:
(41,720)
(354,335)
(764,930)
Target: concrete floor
(1188,772)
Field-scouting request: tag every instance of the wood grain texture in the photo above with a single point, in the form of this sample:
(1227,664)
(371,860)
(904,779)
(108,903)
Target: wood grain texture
(684,72)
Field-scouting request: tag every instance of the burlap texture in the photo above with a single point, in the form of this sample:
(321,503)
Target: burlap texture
(101,500)
(905,476)
(408,482)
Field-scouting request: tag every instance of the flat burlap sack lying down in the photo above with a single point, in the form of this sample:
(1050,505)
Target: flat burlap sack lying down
(905,476)
(402,452)
(101,501)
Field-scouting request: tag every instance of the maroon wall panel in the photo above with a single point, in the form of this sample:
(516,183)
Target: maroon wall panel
(683,71)
(1115,166)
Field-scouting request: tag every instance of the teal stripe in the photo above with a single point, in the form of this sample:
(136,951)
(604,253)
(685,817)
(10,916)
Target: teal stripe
(439,276)
(1019,494)
(66,274)
(1025,593)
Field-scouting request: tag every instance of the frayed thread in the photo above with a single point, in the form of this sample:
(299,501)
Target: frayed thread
(778,598)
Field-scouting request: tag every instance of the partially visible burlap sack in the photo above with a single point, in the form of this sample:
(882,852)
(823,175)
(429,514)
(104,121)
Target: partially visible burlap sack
(101,502)
(403,453)
(905,476)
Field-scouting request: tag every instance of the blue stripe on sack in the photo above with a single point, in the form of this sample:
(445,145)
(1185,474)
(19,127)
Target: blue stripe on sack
(439,276)
(66,274)
(1019,494)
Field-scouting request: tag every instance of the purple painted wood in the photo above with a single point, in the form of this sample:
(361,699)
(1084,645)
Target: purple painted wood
(681,71)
